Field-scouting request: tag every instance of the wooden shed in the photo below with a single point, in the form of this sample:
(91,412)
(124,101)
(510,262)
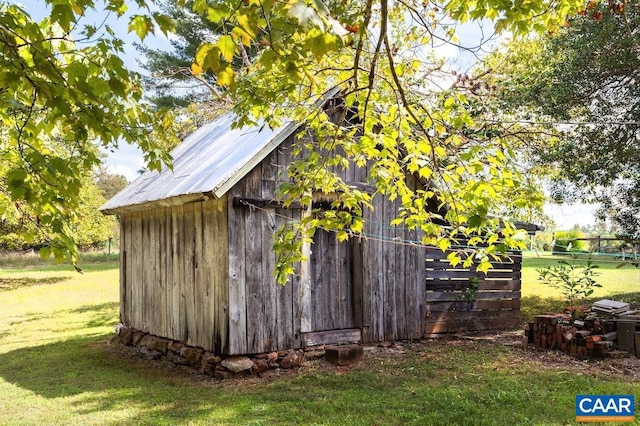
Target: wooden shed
(197,263)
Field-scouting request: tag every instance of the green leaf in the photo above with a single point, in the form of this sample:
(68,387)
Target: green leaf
(164,22)
(142,25)
(227,47)
(63,14)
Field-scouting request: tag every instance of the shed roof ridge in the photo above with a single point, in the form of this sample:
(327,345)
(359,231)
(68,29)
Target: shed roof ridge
(222,166)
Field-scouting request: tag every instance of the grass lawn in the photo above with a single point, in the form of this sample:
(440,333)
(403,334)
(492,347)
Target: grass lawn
(620,281)
(57,367)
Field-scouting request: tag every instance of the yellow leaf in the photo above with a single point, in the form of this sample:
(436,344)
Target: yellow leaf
(443,244)
(484,266)
(196,69)
(240,34)
(226,77)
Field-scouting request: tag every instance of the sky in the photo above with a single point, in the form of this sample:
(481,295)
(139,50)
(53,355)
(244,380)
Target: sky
(127,159)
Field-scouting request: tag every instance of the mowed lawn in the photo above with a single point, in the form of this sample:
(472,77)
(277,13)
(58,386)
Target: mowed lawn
(57,367)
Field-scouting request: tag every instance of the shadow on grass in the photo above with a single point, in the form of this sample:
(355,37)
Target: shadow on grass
(531,306)
(437,384)
(87,378)
(97,377)
(102,314)
(7,284)
(91,378)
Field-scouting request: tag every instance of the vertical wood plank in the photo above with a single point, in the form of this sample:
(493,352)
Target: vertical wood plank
(270,319)
(135,272)
(167,248)
(188,283)
(256,328)
(209,258)
(125,269)
(401,278)
(306,308)
(153,315)
(358,284)
(373,266)
(421,286)
(417,290)
(268,221)
(389,266)
(146,272)
(177,325)
(365,255)
(412,293)
(237,274)
(220,268)
(342,286)
(284,300)
(201,282)
(288,295)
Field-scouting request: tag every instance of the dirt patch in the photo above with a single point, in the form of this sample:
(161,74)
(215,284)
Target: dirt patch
(623,365)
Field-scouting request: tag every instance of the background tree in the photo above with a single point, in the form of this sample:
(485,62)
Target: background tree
(585,76)
(65,92)
(170,79)
(109,183)
(22,229)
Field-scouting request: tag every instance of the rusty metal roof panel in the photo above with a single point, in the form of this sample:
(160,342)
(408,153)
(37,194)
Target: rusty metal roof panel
(208,163)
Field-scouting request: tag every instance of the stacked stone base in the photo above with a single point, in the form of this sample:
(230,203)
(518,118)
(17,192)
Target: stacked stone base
(224,367)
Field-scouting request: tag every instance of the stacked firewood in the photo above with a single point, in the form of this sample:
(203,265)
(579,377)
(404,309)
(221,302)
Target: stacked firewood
(582,338)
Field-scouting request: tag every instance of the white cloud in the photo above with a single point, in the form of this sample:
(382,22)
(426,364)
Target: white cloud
(126,161)
(568,215)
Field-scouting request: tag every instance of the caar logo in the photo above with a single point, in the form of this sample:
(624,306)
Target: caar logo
(604,408)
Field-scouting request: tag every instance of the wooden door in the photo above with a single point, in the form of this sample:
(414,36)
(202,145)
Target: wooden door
(333,296)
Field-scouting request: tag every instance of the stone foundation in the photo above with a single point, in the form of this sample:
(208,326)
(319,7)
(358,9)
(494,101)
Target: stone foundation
(224,367)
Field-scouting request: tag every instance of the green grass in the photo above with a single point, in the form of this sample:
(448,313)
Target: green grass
(57,367)
(620,281)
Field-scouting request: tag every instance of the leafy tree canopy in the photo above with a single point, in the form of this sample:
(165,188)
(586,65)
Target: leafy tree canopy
(65,92)
(22,229)
(377,53)
(380,56)
(585,76)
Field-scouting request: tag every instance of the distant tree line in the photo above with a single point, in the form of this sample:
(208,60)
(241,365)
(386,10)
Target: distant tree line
(21,229)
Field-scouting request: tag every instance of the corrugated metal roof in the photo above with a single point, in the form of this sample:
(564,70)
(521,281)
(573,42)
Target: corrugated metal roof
(206,164)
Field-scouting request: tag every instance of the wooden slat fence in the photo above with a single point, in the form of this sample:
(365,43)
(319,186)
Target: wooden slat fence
(464,299)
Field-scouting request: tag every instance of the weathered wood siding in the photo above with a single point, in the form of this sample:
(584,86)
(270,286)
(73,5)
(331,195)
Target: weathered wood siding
(393,278)
(463,299)
(332,289)
(376,284)
(264,316)
(174,280)
(202,273)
